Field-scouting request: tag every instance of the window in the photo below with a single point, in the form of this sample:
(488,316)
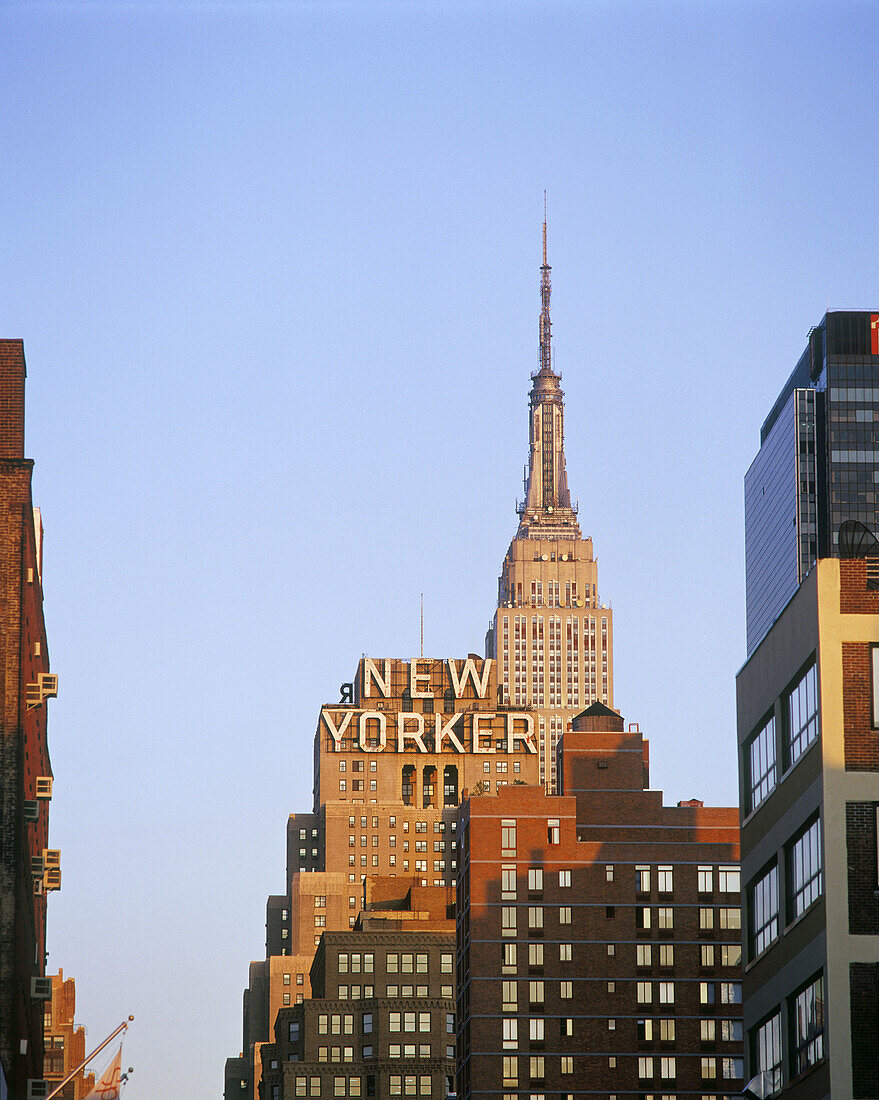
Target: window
(643,954)
(730,993)
(666,993)
(564,878)
(642,916)
(566,990)
(508,958)
(767,1050)
(508,992)
(642,880)
(567,1064)
(764,911)
(706,954)
(535,916)
(732,1068)
(706,880)
(667,1031)
(535,879)
(536,1070)
(667,1068)
(706,993)
(645,1068)
(762,771)
(511,1071)
(510,1034)
(707,1031)
(565,952)
(608,872)
(367,1023)
(535,954)
(664,879)
(665,918)
(709,1068)
(508,883)
(565,914)
(666,954)
(802,715)
(535,992)
(804,869)
(731,954)
(729,918)
(644,993)
(508,837)
(553,831)
(729,880)
(807,1026)
(706,919)
(508,920)
(535,1030)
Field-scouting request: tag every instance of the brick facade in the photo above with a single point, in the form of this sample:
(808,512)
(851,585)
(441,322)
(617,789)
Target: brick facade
(863,883)
(24,756)
(599,944)
(864,994)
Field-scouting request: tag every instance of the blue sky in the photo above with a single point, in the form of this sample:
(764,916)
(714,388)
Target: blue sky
(276,270)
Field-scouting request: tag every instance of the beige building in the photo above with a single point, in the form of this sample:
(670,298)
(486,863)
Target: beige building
(391,762)
(64,1041)
(551,636)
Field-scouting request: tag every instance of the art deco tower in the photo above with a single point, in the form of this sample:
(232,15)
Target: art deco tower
(550,635)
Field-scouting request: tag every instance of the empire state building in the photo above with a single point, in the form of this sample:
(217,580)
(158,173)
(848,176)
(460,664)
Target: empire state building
(551,636)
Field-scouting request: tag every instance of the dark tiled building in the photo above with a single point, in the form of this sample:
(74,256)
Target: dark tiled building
(28,868)
(808,729)
(380,1022)
(818,464)
(598,933)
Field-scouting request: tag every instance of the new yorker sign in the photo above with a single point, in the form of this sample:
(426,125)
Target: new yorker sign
(471,731)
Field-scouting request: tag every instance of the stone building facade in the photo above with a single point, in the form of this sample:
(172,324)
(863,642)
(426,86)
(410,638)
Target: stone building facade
(551,635)
(391,761)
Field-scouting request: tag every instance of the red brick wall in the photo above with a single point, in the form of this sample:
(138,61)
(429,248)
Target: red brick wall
(12,373)
(861,740)
(854,596)
(864,993)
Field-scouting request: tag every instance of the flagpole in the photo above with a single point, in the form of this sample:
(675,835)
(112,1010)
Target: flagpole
(122,1027)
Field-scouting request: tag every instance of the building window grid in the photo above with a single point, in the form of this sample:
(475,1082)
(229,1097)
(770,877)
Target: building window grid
(802,714)
(763,770)
(804,867)
(764,911)
(807,1026)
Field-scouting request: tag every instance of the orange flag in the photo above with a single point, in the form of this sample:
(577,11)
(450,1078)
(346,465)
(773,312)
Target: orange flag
(108,1088)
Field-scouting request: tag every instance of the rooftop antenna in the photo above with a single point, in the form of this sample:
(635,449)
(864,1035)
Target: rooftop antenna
(545,290)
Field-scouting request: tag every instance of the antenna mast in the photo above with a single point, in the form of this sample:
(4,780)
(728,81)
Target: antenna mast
(545,290)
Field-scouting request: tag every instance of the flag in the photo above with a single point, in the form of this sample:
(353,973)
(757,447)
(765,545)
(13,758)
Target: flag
(108,1086)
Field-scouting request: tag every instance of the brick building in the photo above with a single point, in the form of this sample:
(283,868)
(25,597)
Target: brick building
(380,1021)
(28,868)
(551,636)
(598,933)
(808,729)
(64,1041)
(390,762)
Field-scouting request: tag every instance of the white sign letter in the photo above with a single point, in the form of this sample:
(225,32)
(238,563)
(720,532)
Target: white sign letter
(336,733)
(365,716)
(469,671)
(441,731)
(527,738)
(370,673)
(407,716)
(414,677)
(477,733)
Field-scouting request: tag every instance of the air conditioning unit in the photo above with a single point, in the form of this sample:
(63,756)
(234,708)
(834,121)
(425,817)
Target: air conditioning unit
(44,786)
(37,866)
(37,1090)
(52,878)
(52,857)
(38,886)
(31,810)
(41,989)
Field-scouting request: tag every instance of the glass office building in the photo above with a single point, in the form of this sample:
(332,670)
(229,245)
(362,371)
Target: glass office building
(818,464)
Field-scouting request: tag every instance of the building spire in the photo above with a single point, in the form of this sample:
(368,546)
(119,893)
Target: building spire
(545,291)
(546,510)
